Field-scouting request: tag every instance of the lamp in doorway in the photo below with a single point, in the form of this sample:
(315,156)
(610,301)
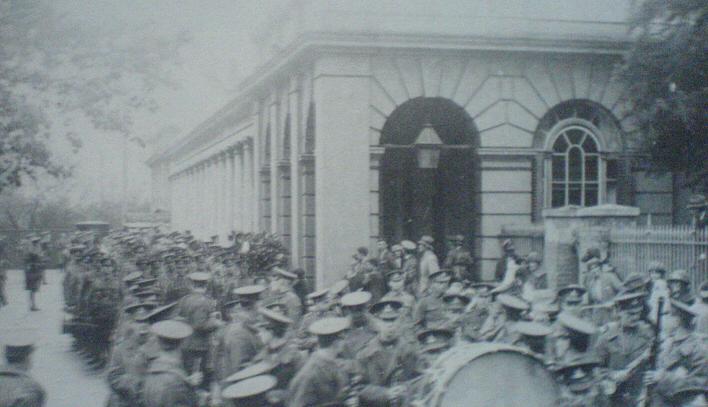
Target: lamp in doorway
(428,146)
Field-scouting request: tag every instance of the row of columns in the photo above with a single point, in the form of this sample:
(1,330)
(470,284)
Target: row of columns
(214,196)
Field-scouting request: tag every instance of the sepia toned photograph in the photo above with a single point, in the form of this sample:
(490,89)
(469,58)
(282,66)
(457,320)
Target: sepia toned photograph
(353,203)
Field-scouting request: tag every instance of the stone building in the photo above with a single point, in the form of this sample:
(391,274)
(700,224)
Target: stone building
(332,142)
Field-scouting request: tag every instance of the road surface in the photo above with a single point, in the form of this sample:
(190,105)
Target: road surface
(64,375)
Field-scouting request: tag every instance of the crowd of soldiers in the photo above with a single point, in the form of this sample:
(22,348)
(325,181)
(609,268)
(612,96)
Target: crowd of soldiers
(180,322)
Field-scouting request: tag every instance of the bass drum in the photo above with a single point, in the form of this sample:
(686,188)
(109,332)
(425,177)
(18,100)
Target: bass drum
(488,375)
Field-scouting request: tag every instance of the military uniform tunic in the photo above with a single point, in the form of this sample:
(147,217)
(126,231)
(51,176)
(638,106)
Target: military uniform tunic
(382,366)
(126,373)
(616,349)
(430,312)
(323,379)
(18,389)
(167,385)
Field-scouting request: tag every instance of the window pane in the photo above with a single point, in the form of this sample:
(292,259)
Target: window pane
(574,197)
(558,168)
(558,195)
(575,160)
(589,145)
(575,135)
(591,168)
(590,194)
(560,146)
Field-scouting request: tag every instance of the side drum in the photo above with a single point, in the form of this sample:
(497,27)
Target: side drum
(488,375)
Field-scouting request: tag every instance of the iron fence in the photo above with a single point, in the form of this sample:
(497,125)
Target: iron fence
(632,249)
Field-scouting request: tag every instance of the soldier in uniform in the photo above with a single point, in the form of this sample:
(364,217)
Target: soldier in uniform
(428,264)
(431,343)
(680,286)
(571,298)
(532,336)
(167,384)
(388,360)
(683,359)
(430,310)
(396,285)
(455,305)
(499,326)
(281,291)
(17,388)
(324,378)
(199,311)
(572,338)
(477,311)
(354,306)
(34,270)
(280,350)
(239,342)
(254,391)
(580,387)
(623,349)
(317,308)
(460,261)
(386,258)
(129,362)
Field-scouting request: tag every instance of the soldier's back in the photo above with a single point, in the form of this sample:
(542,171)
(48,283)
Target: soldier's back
(19,389)
(166,385)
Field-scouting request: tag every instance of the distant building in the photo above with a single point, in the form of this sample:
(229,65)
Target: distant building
(319,144)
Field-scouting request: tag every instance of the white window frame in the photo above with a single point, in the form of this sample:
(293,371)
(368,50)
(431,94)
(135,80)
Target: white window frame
(590,130)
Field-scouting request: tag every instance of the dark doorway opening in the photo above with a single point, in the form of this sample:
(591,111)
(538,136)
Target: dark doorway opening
(439,202)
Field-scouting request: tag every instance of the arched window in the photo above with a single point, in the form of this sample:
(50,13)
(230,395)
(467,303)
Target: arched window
(575,168)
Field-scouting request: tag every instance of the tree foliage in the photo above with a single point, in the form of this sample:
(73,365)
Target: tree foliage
(54,68)
(666,72)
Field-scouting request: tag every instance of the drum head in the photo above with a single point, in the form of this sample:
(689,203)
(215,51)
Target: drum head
(490,375)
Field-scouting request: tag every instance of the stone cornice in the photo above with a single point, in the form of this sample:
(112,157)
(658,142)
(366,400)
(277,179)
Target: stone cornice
(308,45)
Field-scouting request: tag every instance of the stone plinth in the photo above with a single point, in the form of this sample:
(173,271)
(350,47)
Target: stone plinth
(570,230)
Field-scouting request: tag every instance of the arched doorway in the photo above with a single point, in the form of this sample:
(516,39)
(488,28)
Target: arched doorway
(419,201)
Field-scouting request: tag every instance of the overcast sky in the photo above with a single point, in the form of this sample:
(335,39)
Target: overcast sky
(218,55)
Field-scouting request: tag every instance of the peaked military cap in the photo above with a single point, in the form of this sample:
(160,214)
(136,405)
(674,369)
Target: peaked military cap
(688,392)
(396,248)
(578,372)
(488,285)
(453,297)
(249,388)
(656,266)
(355,299)
(199,277)
(442,275)
(317,295)
(574,290)
(626,300)
(249,290)
(131,277)
(329,326)
(549,308)
(395,275)
(532,329)
(158,314)
(576,324)
(231,303)
(387,310)
(635,282)
(426,240)
(434,339)
(256,369)
(275,316)
(146,282)
(338,287)
(172,329)
(284,273)
(18,342)
(408,245)
(513,302)
(138,305)
(679,275)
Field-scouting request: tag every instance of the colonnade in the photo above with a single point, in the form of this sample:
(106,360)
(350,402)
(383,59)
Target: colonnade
(214,196)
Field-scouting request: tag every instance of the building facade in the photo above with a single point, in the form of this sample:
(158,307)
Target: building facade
(319,145)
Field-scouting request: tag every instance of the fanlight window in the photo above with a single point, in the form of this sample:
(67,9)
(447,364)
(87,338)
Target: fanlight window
(575,168)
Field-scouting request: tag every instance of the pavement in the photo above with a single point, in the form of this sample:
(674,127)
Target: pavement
(64,375)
